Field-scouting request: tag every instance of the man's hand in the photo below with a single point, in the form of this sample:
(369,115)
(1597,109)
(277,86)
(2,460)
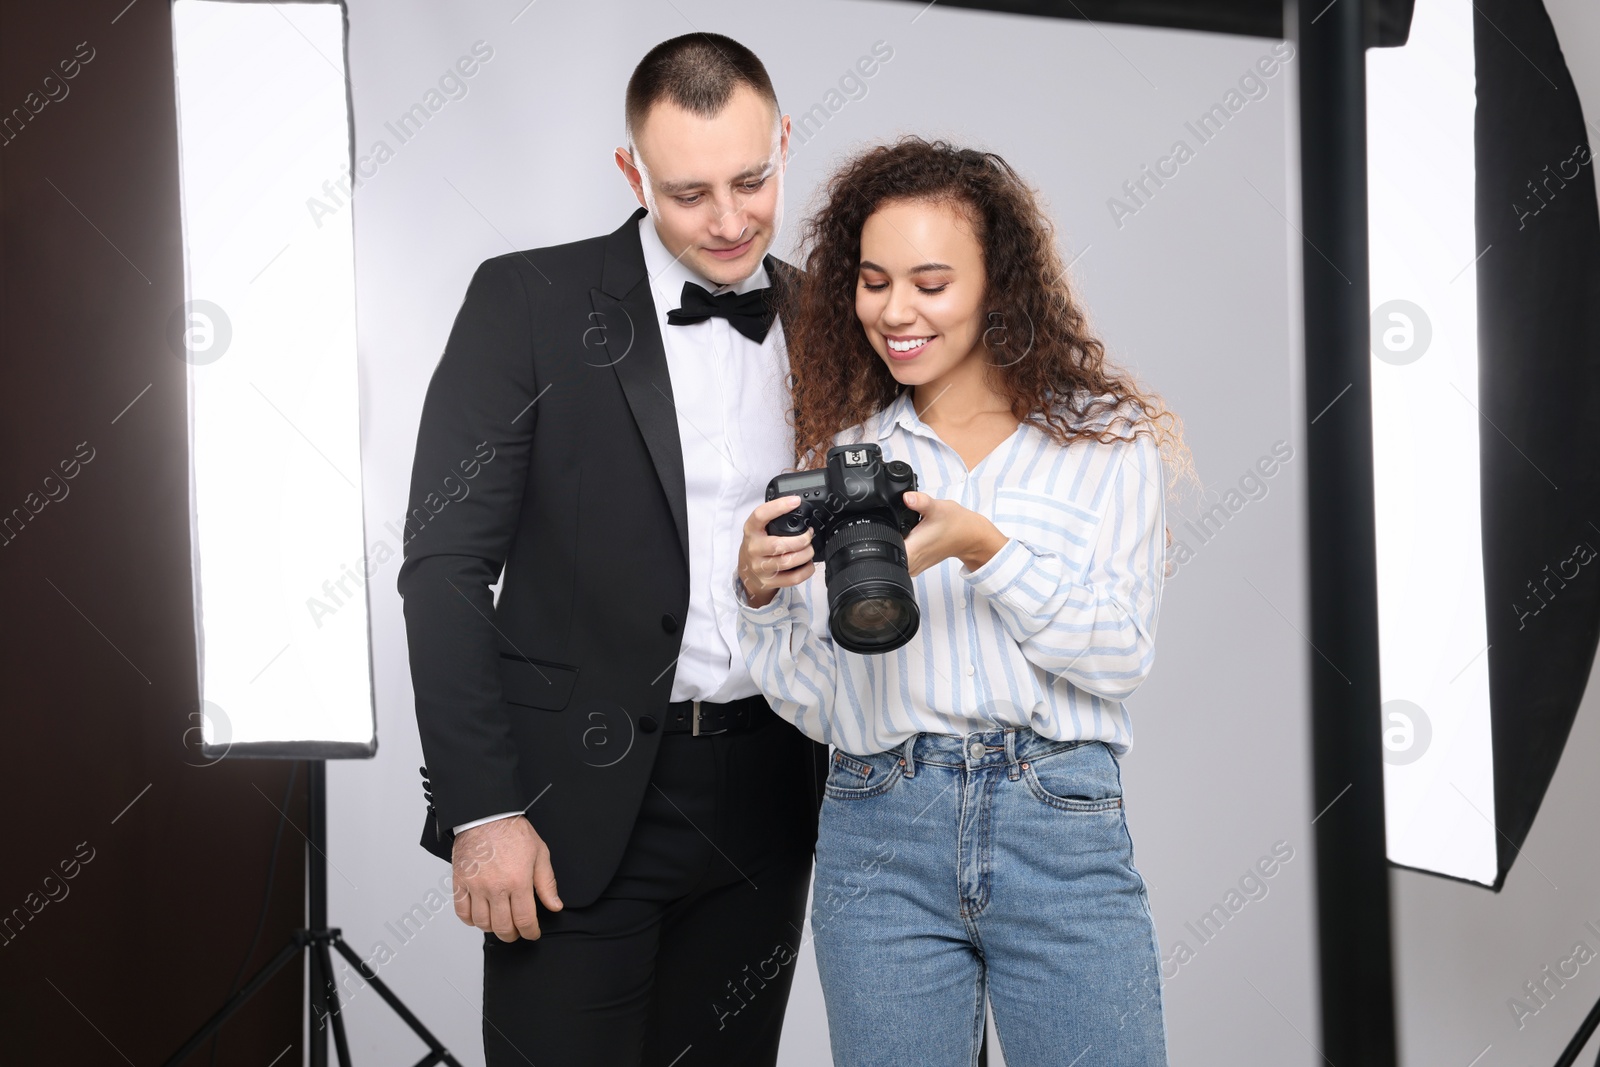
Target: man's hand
(495,870)
(767,563)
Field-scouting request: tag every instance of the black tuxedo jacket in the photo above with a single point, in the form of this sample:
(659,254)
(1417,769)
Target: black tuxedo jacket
(549,444)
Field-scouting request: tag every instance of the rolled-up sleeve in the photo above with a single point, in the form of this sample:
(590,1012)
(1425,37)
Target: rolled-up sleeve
(790,660)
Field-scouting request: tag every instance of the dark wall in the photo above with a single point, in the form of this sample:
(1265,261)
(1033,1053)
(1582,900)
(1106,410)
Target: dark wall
(121,960)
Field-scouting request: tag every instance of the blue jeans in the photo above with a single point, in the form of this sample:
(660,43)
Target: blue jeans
(998,863)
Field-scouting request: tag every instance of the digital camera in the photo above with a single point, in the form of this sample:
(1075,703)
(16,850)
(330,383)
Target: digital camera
(860,519)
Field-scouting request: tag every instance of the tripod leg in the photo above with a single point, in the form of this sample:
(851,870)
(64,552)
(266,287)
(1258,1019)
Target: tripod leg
(318,982)
(1574,1049)
(340,1045)
(289,952)
(433,1043)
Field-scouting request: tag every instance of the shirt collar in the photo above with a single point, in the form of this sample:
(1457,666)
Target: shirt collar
(899,412)
(668,273)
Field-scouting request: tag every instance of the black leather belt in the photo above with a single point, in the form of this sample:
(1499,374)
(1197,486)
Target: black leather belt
(702,717)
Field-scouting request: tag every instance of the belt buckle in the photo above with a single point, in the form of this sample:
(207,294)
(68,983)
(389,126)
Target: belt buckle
(694,724)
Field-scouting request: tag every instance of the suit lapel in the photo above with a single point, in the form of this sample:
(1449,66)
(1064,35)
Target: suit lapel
(627,336)
(781,276)
(629,339)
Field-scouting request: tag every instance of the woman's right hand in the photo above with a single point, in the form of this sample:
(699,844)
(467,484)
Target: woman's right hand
(768,563)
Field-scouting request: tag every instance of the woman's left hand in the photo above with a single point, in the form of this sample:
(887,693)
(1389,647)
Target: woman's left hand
(949,530)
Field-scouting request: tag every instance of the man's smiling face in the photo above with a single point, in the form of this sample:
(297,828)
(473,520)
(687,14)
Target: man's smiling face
(713,186)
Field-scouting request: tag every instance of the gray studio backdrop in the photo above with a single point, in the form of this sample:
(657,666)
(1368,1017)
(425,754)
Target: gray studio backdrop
(1194,286)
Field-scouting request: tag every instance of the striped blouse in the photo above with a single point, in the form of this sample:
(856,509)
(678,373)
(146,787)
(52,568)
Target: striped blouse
(1055,631)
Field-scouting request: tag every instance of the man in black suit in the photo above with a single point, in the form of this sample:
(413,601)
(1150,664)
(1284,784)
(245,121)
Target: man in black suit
(629,823)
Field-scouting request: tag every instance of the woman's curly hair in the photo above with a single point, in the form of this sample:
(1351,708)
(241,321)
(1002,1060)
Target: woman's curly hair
(1044,359)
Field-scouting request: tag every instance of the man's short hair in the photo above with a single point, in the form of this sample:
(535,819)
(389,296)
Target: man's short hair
(699,72)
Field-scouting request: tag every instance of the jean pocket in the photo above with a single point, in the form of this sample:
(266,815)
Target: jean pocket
(1083,778)
(858,777)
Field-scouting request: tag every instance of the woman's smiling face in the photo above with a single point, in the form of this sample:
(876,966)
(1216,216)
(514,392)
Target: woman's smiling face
(919,292)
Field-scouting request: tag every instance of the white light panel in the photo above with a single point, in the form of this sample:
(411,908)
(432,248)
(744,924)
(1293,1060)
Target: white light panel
(1439,767)
(269,336)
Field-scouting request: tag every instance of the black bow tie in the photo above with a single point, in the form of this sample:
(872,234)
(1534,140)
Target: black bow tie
(750,313)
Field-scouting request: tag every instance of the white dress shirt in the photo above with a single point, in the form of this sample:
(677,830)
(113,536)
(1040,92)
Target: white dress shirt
(1054,632)
(732,400)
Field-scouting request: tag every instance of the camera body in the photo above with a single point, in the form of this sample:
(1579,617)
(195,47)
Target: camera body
(855,507)
(856,482)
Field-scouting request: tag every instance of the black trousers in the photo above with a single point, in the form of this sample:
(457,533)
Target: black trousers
(687,957)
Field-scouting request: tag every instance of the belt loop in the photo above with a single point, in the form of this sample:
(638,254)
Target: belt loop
(908,756)
(1012,772)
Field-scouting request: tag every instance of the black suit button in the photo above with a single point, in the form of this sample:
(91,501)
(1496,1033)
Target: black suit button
(423,771)
(647,723)
(669,624)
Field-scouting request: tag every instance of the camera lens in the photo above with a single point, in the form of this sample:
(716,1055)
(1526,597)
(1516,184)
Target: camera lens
(871,606)
(869,621)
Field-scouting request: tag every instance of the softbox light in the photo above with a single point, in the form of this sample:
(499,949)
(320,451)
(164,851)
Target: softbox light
(268,332)
(1485,263)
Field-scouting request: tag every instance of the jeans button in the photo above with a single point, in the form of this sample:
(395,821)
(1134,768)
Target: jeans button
(977,750)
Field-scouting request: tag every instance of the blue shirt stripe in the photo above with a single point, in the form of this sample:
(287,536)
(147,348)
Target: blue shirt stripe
(1056,631)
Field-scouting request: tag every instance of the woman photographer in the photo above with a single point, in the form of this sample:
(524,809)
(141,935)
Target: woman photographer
(973,841)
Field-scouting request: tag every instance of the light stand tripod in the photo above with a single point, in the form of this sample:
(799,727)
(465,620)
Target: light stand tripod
(316,939)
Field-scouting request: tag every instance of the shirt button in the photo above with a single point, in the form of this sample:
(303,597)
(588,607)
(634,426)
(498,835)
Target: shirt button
(977,750)
(971,670)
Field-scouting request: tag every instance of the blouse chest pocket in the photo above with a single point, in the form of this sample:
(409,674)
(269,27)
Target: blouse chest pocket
(1050,524)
